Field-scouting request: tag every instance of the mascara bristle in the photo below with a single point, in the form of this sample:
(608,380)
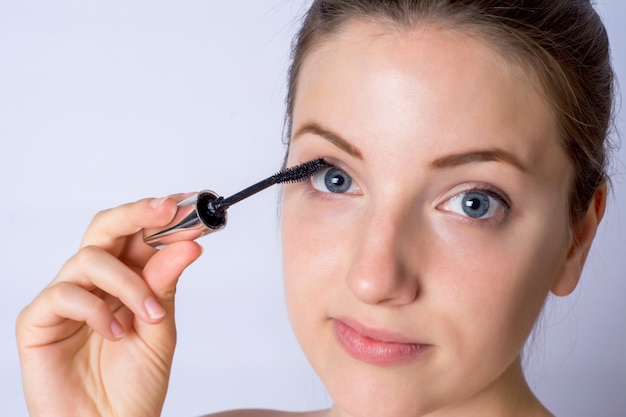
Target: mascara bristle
(294,174)
(300,172)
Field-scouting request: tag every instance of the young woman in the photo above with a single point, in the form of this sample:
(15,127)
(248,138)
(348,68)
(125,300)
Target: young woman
(467,180)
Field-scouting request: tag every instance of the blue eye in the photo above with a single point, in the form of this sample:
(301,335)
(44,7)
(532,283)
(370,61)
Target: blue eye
(477,204)
(333,180)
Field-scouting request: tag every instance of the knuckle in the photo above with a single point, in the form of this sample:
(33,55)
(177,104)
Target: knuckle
(101,215)
(169,294)
(97,307)
(20,319)
(86,256)
(57,293)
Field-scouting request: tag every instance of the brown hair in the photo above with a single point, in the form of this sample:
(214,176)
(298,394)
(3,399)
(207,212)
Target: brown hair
(562,42)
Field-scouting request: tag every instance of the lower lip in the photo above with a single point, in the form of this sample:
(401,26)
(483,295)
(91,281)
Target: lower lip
(374,351)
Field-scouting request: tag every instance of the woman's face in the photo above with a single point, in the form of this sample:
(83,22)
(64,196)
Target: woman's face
(416,266)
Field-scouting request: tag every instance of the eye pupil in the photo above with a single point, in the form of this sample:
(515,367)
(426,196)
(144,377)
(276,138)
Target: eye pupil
(475,204)
(337,181)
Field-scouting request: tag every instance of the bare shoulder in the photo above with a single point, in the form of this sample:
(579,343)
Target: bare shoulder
(269,413)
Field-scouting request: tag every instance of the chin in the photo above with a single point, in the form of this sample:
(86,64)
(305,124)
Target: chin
(379,394)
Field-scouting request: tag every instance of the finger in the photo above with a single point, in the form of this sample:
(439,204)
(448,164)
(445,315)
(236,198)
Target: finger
(136,252)
(60,311)
(161,275)
(110,228)
(164,268)
(92,268)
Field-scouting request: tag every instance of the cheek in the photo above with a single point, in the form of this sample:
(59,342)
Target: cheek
(307,248)
(318,247)
(311,263)
(496,286)
(316,242)
(310,256)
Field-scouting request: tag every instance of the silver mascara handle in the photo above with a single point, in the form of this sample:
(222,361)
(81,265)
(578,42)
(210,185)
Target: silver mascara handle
(192,220)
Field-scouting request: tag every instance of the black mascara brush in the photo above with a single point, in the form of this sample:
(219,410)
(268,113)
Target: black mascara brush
(294,174)
(205,212)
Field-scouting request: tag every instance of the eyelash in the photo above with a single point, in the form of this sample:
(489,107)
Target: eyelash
(489,192)
(318,189)
(483,189)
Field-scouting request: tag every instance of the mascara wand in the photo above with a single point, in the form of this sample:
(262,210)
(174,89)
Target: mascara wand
(293,174)
(205,212)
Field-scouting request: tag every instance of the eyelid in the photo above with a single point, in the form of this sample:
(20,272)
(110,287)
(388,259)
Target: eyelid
(487,189)
(481,187)
(492,193)
(333,163)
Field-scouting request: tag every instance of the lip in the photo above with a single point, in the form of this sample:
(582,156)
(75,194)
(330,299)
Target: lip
(375,346)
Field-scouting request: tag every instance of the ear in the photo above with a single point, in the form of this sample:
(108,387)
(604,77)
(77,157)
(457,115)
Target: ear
(582,236)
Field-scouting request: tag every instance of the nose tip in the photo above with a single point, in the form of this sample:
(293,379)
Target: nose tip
(375,289)
(381,273)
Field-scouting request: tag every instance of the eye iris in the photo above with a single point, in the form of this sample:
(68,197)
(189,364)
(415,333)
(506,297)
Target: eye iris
(337,181)
(475,204)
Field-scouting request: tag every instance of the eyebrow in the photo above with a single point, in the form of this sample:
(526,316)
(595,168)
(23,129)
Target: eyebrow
(447,161)
(487,155)
(330,136)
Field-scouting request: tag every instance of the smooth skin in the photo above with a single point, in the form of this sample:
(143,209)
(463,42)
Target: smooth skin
(394,252)
(415,119)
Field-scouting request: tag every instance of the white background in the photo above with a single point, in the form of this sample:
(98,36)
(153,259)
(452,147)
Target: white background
(103,102)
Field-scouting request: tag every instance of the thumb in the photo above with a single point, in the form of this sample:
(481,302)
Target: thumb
(161,273)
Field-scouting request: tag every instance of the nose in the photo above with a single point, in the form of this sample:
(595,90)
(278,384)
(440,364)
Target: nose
(381,271)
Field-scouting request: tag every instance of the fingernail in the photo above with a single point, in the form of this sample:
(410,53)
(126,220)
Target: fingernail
(156,202)
(154,309)
(117,330)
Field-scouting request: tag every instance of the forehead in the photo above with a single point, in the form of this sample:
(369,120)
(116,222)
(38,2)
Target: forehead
(377,81)
(433,60)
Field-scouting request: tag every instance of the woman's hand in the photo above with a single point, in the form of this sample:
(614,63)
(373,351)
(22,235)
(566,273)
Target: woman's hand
(99,340)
